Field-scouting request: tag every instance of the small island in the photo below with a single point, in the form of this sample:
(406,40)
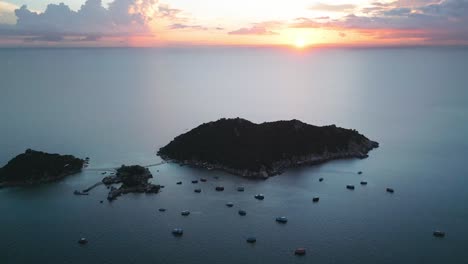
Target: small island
(133,179)
(243,148)
(34,167)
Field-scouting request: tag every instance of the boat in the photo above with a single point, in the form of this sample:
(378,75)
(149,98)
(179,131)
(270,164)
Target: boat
(315,199)
(242,212)
(179,183)
(251,240)
(197,190)
(300,251)
(282,219)
(185,213)
(76,192)
(438,233)
(177,231)
(219,188)
(162,209)
(363,183)
(83,241)
(321,179)
(229,204)
(203,180)
(350,187)
(194,181)
(390,190)
(240,189)
(259,196)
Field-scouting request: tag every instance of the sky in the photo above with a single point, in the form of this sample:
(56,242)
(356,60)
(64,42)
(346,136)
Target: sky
(294,23)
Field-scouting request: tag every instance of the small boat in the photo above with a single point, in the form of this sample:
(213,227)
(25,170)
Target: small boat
(179,183)
(242,212)
(282,219)
(240,189)
(177,231)
(194,181)
(162,209)
(259,196)
(219,188)
(83,241)
(101,201)
(321,179)
(229,204)
(76,192)
(216,177)
(390,190)
(203,180)
(363,183)
(359,172)
(104,173)
(185,213)
(300,251)
(197,190)
(350,187)
(438,233)
(251,240)
(315,199)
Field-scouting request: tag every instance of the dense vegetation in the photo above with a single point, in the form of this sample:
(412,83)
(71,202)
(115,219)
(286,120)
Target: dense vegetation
(36,166)
(241,144)
(133,175)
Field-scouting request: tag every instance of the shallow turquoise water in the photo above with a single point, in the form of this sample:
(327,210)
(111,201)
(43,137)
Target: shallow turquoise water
(119,105)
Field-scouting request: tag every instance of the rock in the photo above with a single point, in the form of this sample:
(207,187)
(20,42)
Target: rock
(259,196)
(251,240)
(390,190)
(242,212)
(438,233)
(219,188)
(240,189)
(300,251)
(83,241)
(282,219)
(315,199)
(350,187)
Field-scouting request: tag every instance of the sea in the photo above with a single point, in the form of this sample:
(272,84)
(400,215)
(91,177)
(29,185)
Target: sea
(120,105)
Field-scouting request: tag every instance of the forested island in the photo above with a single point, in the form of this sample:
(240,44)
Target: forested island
(133,179)
(241,147)
(33,167)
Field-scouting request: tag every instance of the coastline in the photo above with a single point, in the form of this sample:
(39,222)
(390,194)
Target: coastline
(278,167)
(41,181)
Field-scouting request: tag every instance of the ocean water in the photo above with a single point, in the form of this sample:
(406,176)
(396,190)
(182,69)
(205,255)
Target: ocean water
(118,106)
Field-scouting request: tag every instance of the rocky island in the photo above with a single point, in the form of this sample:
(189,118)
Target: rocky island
(34,167)
(243,148)
(133,179)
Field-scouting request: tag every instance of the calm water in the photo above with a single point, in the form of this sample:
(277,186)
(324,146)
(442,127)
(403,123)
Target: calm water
(120,105)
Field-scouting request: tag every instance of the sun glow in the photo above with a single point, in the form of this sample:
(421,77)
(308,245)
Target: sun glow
(300,43)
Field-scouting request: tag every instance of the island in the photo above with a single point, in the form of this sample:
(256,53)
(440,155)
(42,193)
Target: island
(34,167)
(243,148)
(133,179)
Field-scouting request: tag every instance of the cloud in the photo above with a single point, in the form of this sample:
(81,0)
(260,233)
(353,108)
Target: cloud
(342,34)
(262,28)
(184,26)
(7,15)
(92,21)
(332,8)
(431,22)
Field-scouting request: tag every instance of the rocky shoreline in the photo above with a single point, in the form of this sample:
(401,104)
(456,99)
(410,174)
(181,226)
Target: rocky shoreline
(280,166)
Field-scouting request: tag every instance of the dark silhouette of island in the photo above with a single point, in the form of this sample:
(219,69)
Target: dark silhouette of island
(33,167)
(241,147)
(134,179)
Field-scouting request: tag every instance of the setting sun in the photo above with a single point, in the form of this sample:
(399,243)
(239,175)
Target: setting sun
(300,43)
